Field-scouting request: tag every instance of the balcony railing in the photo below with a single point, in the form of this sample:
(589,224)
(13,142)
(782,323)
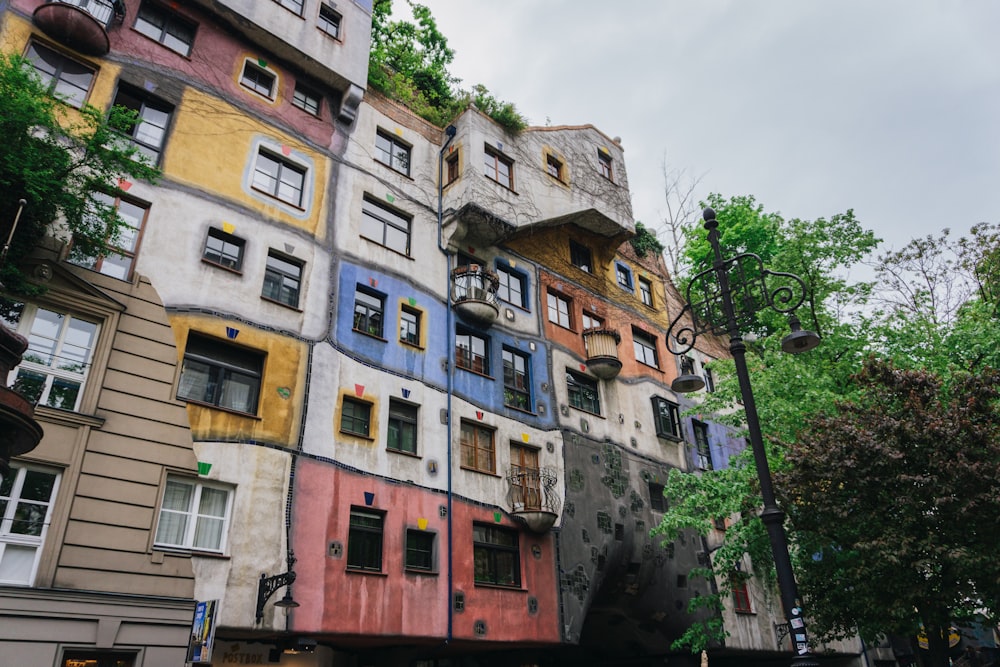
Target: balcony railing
(474,293)
(532,496)
(602,352)
(81,24)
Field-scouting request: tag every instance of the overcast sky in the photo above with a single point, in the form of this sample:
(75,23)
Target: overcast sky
(889,107)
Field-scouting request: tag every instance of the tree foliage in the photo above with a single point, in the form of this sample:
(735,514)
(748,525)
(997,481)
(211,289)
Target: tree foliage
(58,159)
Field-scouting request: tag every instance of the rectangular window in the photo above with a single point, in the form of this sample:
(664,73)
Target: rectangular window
(66,78)
(282,279)
(292,5)
(306,99)
(392,152)
(409,326)
(472,352)
(657,502)
(453,172)
(645,347)
(60,352)
(606,166)
(667,417)
(121,260)
(160,24)
(88,658)
(702,448)
(580,256)
(419,550)
(385,226)
(356,417)
(583,393)
(646,292)
(279,178)
(511,289)
(224,249)
(258,80)
(496,557)
(559,310)
(499,167)
(26,497)
(150,130)
(364,540)
(709,379)
(525,478)
(516,385)
(369,308)
(624,276)
(741,598)
(329,21)
(194,515)
(402,427)
(554,167)
(220,374)
(591,321)
(478,449)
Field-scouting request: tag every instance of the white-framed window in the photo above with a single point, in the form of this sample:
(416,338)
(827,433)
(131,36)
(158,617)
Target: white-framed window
(258,79)
(279,178)
(60,352)
(166,27)
(329,21)
(194,515)
(26,497)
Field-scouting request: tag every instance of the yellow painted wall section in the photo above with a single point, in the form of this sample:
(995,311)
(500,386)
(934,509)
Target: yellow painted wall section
(279,412)
(223,139)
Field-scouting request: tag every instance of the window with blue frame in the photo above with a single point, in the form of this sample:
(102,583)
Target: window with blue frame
(624,276)
(512,287)
(703,450)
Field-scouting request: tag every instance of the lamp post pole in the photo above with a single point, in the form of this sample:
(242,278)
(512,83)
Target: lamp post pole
(715,311)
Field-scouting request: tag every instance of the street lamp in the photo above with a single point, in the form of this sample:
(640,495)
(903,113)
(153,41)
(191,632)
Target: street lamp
(719,300)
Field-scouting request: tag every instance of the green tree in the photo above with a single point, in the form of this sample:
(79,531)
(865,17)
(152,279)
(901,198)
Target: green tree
(57,159)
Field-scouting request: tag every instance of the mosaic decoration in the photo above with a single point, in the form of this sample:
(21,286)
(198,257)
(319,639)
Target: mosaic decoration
(124,184)
(369,498)
(497,517)
(577,582)
(389,198)
(584,426)
(204,468)
(412,301)
(634,442)
(644,475)
(458,602)
(647,552)
(640,526)
(336,549)
(286,150)
(443,511)
(228,227)
(536,551)
(479,415)
(585,535)
(284,392)
(595,459)
(480,628)
(422,524)
(359,390)
(604,522)
(550,447)
(569,509)
(593,555)
(525,437)
(232,333)
(615,477)
(261,62)
(405,392)
(532,605)
(432,467)
(636,503)
(622,511)
(575,480)
(670,551)
(373,282)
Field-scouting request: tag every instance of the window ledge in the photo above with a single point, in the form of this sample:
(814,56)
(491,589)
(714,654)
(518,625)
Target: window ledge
(381,245)
(212,406)
(414,346)
(488,473)
(520,410)
(238,272)
(412,455)
(370,335)
(474,372)
(510,190)
(280,303)
(393,169)
(418,571)
(556,324)
(668,436)
(190,553)
(655,368)
(359,436)
(370,573)
(587,412)
(52,415)
(513,588)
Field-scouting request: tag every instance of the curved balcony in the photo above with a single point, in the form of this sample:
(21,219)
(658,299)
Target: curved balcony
(80,24)
(474,294)
(532,497)
(602,352)
(19,432)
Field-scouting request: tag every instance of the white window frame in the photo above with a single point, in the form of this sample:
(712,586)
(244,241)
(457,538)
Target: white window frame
(284,162)
(187,543)
(254,86)
(20,541)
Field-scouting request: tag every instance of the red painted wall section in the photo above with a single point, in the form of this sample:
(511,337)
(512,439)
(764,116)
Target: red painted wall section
(397,602)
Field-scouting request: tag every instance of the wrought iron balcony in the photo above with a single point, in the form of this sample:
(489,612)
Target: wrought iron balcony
(532,497)
(80,24)
(474,294)
(602,352)
(19,432)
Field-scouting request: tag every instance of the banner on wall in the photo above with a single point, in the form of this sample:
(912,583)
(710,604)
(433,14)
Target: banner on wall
(203,632)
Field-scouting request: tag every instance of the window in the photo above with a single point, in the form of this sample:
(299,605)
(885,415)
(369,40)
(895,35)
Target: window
(402,427)
(499,168)
(741,597)
(194,515)
(472,352)
(516,387)
(257,79)
(554,167)
(511,289)
(98,659)
(559,312)
(478,451)
(709,379)
(624,276)
(702,448)
(495,555)
(150,131)
(279,178)
(645,347)
(329,21)
(282,278)
(364,540)
(66,78)
(583,392)
(292,5)
(162,25)
(667,417)
(60,352)
(356,417)
(525,476)
(368,310)
(224,249)
(591,321)
(453,171)
(419,550)
(220,374)
(306,99)
(26,496)
(409,326)
(392,152)
(385,226)
(580,256)
(606,167)
(646,292)
(657,502)
(119,263)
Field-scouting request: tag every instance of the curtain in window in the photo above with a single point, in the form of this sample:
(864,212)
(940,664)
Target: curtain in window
(211,519)
(174,516)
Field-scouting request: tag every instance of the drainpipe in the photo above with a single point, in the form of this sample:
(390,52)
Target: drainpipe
(451,131)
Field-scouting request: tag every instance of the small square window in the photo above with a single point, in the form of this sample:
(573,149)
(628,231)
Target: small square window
(409,325)
(624,276)
(258,80)
(646,292)
(217,373)
(194,515)
(329,21)
(645,348)
(667,418)
(282,279)
(582,392)
(364,540)
(516,383)
(453,168)
(306,99)
(419,550)
(279,178)
(606,165)
(657,502)
(478,447)
(555,167)
(392,152)
(224,249)
(356,417)
(66,79)
(580,256)
(512,286)
(369,308)
(402,427)
(496,557)
(472,351)
(559,310)
(164,26)
(498,167)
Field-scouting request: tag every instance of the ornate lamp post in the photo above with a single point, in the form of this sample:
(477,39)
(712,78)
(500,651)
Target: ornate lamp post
(719,300)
